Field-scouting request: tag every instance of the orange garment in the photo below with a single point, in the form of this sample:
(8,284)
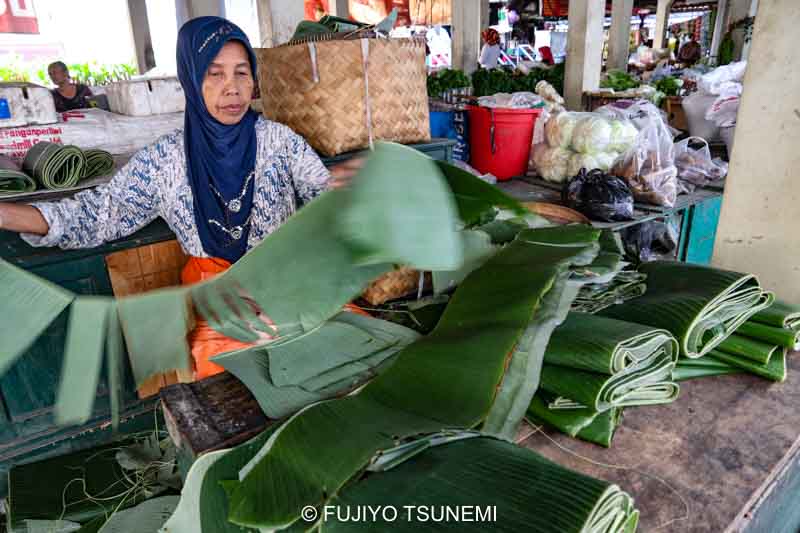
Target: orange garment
(204,341)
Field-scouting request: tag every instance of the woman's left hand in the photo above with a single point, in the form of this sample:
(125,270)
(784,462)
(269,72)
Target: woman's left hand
(343,173)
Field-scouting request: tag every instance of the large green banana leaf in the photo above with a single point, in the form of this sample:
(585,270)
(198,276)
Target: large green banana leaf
(601,363)
(583,423)
(316,262)
(478,248)
(447,380)
(335,358)
(700,305)
(513,489)
(563,249)
(781,315)
(757,351)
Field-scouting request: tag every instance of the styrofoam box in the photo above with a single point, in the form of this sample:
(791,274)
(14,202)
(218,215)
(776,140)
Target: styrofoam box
(23,104)
(138,98)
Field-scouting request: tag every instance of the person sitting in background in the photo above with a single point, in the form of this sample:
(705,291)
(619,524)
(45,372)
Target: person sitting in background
(490,53)
(67,94)
(690,53)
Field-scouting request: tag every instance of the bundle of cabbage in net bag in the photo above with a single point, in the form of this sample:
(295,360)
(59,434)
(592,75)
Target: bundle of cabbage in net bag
(552,164)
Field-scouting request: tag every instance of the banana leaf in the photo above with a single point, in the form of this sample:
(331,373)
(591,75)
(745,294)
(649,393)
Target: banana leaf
(594,297)
(602,363)
(475,198)
(583,423)
(780,315)
(55,166)
(147,517)
(775,370)
(565,252)
(340,355)
(514,489)
(478,248)
(14,182)
(704,367)
(701,306)
(83,359)
(98,163)
(759,331)
(446,380)
(757,351)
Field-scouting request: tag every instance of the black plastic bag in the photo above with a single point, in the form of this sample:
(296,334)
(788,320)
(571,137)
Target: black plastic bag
(599,196)
(650,241)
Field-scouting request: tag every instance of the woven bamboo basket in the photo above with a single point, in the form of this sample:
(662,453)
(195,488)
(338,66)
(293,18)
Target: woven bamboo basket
(392,285)
(340,94)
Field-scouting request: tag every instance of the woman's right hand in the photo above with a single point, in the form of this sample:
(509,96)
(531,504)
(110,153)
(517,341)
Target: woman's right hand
(22,218)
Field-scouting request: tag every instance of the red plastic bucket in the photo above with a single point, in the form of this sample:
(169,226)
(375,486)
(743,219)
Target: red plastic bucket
(500,140)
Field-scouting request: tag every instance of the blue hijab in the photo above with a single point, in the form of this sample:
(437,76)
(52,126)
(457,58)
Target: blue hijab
(217,155)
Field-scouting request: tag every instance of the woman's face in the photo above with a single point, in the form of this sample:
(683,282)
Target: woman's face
(228,84)
(57,74)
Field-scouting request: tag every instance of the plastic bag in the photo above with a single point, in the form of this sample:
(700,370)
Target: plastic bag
(695,106)
(649,167)
(723,111)
(559,128)
(592,134)
(552,164)
(599,196)
(520,100)
(650,241)
(694,165)
(714,81)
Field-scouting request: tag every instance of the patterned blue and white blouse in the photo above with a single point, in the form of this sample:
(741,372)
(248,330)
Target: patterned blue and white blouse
(153,184)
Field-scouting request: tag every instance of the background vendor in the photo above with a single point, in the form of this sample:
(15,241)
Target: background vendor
(222,184)
(67,94)
(490,52)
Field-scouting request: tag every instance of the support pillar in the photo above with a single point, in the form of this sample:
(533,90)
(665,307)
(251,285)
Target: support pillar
(619,37)
(470,17)
(140,28)
(758,224)
(662,23)
(339,8)
(584,50)
(277,20)
(191,9)
(720,25)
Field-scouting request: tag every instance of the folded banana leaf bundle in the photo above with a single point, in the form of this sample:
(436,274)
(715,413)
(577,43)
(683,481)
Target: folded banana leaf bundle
(98,163)
(602,363)
(357,240)
(701,306)
(457,377)
(704,367)
(778,324)
(12,179)
(513,489)
(626,285)
(582,423)
(55,166)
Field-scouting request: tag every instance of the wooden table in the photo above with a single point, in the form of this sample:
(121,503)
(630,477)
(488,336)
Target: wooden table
(724,457)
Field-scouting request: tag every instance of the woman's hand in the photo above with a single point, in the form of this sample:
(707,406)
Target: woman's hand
(22,218)
(343,173)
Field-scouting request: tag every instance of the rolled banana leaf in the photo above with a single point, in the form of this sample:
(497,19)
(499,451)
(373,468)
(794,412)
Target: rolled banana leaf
(505,487)
(775,370)
(583,423)
(784,337)
(757,351)
(98,163)
(626,285)
(55,166)
(602,363)
(780,315)
(446,380)
(704,367)
(700,305)
(13,180)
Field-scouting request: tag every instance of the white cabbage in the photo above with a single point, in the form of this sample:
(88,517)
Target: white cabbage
(623,135)
(592,134)
(554,164)
(559,128)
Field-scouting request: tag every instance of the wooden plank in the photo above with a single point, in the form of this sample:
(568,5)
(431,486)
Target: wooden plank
(211,414)
(143,269)
(703,462)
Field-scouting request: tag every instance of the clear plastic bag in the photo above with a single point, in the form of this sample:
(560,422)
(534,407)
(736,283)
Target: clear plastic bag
(648,167)
(695,166)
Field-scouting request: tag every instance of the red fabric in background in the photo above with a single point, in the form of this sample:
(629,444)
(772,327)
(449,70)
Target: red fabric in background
(18,16)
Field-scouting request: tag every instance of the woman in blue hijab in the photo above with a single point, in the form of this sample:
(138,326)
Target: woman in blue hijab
(222,183)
